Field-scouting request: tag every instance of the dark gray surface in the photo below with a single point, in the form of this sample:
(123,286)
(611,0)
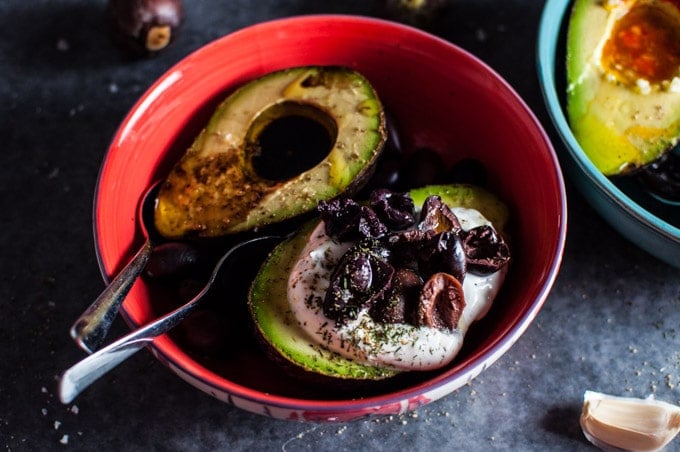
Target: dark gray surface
(611,324)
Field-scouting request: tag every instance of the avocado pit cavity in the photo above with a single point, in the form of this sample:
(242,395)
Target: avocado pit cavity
(288,139)
(644,43)
(623,74)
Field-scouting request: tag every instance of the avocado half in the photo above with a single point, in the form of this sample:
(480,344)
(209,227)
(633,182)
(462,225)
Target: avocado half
(272,150)
(623,75)
(277,328)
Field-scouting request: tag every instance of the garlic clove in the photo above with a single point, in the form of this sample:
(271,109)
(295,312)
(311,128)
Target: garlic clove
(627,423)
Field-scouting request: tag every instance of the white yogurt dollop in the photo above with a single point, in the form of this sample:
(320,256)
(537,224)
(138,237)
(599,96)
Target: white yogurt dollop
(399,346)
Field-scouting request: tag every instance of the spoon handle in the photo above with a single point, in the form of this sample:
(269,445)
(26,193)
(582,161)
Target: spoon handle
(92,326)
(87,371)
(84,373)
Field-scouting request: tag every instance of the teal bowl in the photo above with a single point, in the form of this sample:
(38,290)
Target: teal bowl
(639,216)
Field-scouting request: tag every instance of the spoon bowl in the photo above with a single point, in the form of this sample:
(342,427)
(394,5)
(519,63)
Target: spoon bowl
(91,328)
(87,371)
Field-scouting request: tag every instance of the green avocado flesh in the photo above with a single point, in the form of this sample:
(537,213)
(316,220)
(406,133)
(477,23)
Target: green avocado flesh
(272,150)
(469,196)
(623,104)
(286,341)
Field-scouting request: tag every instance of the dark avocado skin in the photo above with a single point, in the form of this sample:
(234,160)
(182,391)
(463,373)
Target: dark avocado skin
(215,188)
(277,329)
(620,127)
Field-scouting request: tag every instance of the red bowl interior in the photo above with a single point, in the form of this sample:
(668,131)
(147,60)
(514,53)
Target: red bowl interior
(441,97)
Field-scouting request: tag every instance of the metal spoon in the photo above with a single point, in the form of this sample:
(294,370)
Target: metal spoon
(87,371)
(92,326)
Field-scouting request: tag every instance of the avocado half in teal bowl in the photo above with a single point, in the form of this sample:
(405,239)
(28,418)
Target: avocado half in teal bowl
(590,123)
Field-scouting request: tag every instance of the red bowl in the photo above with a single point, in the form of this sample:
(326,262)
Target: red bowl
(441,97)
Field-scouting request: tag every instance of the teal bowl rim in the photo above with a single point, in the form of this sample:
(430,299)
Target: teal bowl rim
(554,13)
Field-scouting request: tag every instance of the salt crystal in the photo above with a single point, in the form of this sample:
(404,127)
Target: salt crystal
(57,424)
(64,439)
(675,85)
(644,86)
(62,45)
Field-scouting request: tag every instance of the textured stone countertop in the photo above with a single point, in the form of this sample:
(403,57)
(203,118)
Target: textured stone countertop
(611,323)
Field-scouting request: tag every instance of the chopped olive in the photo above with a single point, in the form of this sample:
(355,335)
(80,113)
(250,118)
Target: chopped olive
(390,309)
(362,276)
(436,216)
(396,210)
(400,303)
(444,253)
(346,220)
(486,251)
(415,246)
(441,302)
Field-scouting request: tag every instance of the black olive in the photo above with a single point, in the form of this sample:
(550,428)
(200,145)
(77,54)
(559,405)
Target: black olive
(188,288)
(349,287)
(173,260)
(467,171)
(400,303)
(392,146)
(662,177)
(144,27)
(444,253)
(426,14)
(396,210)
(424,166)
(388,167)
(387,172)
(436,216)
(441,302)
(362,276)
(486,251)
(347,220)
(205,331)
